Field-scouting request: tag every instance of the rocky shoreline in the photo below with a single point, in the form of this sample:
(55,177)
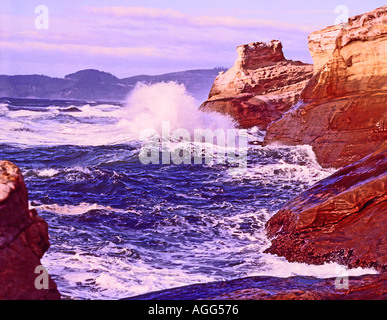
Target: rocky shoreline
(343,217)
(341,112)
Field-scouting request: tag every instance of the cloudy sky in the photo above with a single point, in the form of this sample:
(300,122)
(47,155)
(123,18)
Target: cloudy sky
(154,36)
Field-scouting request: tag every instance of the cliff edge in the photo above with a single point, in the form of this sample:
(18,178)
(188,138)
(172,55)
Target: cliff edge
(343,109)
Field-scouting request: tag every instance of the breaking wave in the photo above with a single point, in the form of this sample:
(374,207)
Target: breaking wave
(146,107)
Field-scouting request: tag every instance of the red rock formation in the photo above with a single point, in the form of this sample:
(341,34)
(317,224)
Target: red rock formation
(342,218)
(260,87)
(23,241)
(344,110)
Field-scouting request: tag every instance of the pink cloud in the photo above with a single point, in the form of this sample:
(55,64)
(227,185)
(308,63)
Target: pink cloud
(136,12)
(35,46)
(233,22)
(176,17)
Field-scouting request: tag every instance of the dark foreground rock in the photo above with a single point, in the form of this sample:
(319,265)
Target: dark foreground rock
(342,218)
(23,241)
(260,87)
(367,287)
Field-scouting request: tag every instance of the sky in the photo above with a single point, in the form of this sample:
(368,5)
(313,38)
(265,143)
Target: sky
(153,37)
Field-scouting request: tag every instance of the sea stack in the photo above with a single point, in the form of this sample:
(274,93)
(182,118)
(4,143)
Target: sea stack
(260,87)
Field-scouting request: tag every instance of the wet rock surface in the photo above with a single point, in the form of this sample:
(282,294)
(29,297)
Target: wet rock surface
(342,218)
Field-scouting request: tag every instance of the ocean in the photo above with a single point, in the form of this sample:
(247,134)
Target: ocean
(119,227)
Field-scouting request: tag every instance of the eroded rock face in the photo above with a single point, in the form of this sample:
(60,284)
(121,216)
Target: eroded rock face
(342,218)
(321,44)
(23,241)
(260,87)
(367,287)
(344,110)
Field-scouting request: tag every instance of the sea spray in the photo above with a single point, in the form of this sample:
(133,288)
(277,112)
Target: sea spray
(148,106)
(166,118)
(209,146)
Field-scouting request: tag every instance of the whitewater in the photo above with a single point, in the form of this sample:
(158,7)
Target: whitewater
(119,228)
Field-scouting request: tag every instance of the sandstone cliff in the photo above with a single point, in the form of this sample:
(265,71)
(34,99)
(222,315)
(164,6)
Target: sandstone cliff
(342,218)
(344,110)
(260,87)
(321,45)
(23,241)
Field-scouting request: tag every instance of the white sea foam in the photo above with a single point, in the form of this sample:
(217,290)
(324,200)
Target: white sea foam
(49,172)
(3,109)
(148,106)
(74,209)
(280,267)
(110,273)
(282,165)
